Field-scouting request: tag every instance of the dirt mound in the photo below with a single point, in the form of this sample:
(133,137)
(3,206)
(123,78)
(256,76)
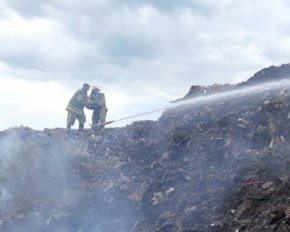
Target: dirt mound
(217,166)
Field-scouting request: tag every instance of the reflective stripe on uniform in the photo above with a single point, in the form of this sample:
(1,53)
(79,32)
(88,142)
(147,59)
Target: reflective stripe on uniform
(74,109)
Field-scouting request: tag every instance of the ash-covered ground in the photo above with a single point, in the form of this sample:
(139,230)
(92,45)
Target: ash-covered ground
(221,165)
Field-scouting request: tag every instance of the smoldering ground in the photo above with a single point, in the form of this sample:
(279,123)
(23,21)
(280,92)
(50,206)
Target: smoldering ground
(43,186)
(34,171)
(174,174)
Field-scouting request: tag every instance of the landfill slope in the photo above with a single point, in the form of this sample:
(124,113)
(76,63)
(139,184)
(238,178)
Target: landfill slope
(217,166)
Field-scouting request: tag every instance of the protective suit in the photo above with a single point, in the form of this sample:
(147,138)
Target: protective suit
(97,102)
(76,106)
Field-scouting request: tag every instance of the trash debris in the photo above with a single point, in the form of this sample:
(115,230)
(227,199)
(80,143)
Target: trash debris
(218,166)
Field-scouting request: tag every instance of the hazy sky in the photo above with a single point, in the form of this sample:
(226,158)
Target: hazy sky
(140,53)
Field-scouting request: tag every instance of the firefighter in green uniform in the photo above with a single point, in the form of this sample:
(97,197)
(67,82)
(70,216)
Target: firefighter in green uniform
(97,102)
(76,106)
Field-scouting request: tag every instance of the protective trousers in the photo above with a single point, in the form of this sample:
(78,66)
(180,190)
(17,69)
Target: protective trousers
(99,116)
(71,118)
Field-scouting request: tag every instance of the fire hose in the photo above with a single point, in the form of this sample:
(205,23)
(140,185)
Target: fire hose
(129,117)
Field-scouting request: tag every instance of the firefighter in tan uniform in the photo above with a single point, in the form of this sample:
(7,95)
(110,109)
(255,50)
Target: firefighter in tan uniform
(76,106)
(97,102)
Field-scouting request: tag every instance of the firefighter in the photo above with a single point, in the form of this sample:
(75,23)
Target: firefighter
(97,102)
(76,106)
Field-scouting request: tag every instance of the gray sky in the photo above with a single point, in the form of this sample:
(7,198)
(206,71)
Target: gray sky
(140,53)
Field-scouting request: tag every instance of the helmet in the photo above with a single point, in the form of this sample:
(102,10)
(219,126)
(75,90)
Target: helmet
(95,88)
(86,85)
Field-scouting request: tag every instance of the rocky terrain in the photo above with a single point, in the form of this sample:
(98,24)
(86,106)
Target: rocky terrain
(218,165)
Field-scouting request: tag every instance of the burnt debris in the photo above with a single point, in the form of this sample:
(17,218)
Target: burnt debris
(217,166)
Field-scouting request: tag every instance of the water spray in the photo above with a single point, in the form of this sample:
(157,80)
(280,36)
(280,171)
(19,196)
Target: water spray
(211,98)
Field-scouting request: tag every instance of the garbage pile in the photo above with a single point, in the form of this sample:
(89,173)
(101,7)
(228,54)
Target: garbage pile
(216,166)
